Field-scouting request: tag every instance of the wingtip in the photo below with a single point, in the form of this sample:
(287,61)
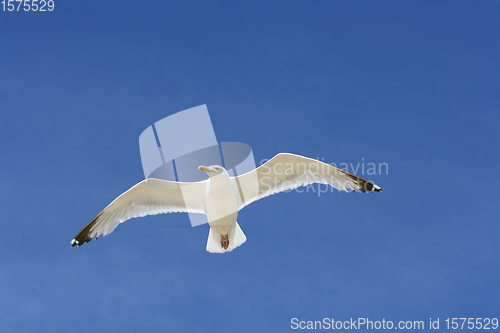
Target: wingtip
(369,187)
(84,236)
(80,240)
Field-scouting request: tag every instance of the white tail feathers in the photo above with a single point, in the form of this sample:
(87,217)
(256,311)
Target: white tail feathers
(236,238)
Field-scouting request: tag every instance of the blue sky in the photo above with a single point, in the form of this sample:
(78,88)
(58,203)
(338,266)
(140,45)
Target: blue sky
(411,84)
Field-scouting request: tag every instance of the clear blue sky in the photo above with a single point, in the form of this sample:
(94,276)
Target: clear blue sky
(414,84)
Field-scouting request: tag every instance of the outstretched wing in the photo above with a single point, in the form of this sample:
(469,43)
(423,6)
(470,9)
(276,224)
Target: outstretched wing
(288,171)
(149,197)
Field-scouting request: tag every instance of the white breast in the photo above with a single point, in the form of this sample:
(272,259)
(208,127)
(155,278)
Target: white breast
(222,205)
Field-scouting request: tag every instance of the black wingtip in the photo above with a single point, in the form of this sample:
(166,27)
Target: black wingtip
(365,186)
(84,236)
(369,187)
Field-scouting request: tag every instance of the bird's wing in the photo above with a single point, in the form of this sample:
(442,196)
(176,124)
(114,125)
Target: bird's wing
(288,171)
(149,197)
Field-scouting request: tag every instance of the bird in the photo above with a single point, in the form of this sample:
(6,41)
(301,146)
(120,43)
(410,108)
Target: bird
(220,197)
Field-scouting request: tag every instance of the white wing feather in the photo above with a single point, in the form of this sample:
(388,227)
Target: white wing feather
(289,171)
(149,197)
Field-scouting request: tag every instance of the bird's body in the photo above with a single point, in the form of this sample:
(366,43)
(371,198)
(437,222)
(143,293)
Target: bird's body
(222,211)
(220,197)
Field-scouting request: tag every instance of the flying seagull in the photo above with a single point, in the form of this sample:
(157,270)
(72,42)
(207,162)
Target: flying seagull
(220,197)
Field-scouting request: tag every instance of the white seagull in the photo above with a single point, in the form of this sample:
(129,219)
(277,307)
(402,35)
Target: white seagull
(220,197)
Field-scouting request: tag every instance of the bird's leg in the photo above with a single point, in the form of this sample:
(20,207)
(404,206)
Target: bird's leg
(224,241)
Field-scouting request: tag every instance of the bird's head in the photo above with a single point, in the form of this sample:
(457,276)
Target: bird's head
(212,170)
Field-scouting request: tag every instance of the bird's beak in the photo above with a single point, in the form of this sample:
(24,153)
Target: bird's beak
(203,168)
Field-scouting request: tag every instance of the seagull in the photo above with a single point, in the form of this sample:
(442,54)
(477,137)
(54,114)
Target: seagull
(220,197)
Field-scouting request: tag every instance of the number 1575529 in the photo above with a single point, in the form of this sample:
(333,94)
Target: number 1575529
(28,5)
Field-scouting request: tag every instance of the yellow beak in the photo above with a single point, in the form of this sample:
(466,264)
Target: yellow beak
(203,168)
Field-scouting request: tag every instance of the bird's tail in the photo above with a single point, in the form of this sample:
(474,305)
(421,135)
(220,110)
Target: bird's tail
(236,238)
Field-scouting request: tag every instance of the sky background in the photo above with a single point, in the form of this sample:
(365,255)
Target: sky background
(411,84)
